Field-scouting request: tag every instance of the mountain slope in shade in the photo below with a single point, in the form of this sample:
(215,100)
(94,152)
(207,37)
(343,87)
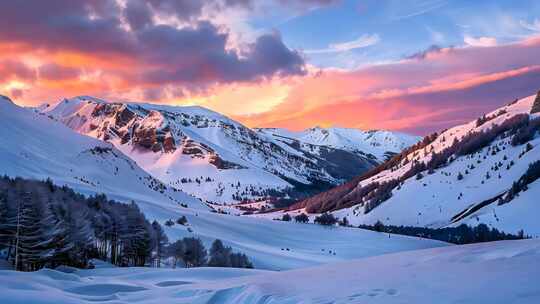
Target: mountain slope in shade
(35,146)
(207,154)
(476,172)
(496,272)
(379,144)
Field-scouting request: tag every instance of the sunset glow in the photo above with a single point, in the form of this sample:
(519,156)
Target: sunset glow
(149,53)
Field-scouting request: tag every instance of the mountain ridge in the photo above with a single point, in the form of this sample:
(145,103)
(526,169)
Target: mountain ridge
(466,174)
(208,154)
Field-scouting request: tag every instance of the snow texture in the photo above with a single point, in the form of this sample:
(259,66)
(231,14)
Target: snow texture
(498,272)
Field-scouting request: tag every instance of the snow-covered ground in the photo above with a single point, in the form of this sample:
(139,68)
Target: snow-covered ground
(499,272)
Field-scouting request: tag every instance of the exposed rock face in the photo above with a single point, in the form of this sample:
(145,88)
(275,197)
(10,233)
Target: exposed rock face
(536,104)
(195,149)
(120,121)
(223,164)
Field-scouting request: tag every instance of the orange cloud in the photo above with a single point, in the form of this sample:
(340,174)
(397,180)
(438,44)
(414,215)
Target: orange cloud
(439,89)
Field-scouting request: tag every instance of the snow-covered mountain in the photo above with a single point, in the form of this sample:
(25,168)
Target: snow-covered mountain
(484,171)
(380,144)
(35,146)
(219,160)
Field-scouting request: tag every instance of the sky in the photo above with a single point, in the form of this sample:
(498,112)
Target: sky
(405,65)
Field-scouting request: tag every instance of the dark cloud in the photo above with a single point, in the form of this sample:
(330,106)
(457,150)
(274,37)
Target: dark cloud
(60,24)
(138,14)
(198,55)
(195,55)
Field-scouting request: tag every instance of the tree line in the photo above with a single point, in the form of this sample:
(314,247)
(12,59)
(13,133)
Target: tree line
(44,225)
(462,234)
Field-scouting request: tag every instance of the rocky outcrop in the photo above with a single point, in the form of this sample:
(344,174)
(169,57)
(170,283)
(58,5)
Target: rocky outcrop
(120,121)
(195,149)
(220,163)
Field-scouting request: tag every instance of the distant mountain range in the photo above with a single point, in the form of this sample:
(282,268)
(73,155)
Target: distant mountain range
(218,160)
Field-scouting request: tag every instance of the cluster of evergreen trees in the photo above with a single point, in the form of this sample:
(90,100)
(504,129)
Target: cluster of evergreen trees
(526,132)
(532,174)
(462,234)
(325,219)
(43,225)
(192,253)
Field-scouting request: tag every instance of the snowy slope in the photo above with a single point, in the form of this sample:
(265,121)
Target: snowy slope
(205,153)
(380,144)
(35,146)
(499,272)
(462,188)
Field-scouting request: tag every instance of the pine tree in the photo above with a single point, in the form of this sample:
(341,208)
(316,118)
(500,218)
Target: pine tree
(35,234)
(195,253)
(177,251)
(8,225)
(220,256)
(160,240)
(240,260)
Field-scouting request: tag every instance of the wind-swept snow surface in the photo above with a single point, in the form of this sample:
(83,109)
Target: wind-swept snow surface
(500,272)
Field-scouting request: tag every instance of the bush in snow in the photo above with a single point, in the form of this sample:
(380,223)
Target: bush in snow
(326,219)
(286,217)
(182,220)
(301,218)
